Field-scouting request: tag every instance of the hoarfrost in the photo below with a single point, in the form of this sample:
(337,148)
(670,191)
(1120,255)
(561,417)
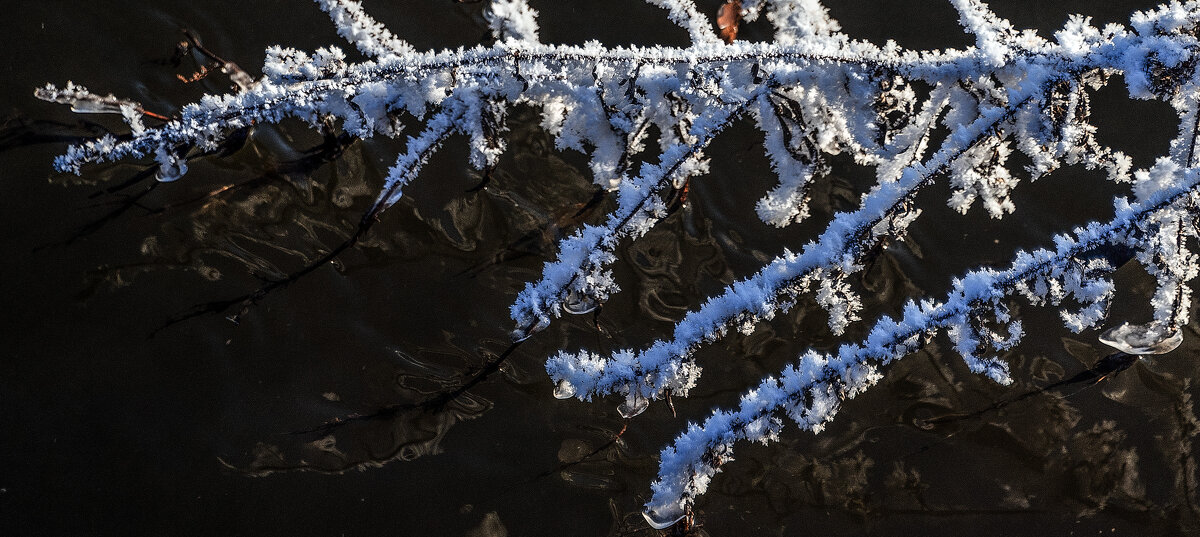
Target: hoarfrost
(813,92)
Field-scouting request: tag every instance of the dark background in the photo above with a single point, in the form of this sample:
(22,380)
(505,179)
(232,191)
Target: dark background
(109,426)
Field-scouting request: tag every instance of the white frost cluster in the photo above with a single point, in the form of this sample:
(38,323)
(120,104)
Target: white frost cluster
(357,27)
(513,19)
(814,92)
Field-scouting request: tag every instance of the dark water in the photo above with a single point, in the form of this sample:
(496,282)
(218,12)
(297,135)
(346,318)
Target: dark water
(204,428)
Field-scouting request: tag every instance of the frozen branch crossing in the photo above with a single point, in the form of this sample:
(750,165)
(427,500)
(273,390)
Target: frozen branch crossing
(814,92)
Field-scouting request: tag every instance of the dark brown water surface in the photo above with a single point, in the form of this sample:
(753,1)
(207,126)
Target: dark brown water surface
(207,428)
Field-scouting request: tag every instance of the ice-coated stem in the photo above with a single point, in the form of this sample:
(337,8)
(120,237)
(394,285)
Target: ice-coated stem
(812,390)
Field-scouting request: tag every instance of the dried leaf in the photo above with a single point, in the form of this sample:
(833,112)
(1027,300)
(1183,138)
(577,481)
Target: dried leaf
(728,19)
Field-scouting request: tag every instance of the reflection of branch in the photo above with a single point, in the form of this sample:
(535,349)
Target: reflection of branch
(20,131)
(420,148)
(404,436)
(535,241)
(249,299)
(569,464)
(126,203)
(328,151)
(430,404)
(1105,368)
(1187,427)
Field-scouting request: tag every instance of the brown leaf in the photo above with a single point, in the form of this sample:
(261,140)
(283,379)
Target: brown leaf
(728,19)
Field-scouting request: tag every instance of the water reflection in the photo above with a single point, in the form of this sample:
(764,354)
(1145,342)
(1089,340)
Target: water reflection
(579,469)
(401,434)
(491,526)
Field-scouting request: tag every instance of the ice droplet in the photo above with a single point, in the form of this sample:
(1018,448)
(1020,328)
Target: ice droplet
(664,517)
(521,334)
(171,168)
(1151,338)
(564,390)
(577,304)
(633,405)
(91,104)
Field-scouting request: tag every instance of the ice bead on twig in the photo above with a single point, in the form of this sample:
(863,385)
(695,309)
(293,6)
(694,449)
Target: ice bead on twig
(1150,338)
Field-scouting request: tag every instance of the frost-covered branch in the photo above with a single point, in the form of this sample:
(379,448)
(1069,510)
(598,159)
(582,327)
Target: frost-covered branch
(918,117)
(811,391)
(513,19)
(367,34)
(685,14)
